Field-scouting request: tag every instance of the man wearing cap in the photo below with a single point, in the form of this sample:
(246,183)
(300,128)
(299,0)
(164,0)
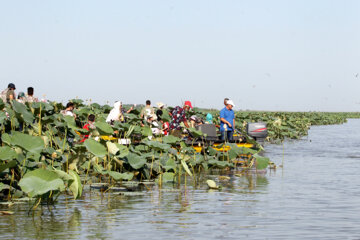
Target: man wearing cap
(227,121)
(177,117)
(10,94)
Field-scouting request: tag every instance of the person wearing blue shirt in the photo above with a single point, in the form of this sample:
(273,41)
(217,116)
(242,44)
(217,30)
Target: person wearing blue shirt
(227,121)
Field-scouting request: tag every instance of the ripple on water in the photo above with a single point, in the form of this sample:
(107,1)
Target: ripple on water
(315,196)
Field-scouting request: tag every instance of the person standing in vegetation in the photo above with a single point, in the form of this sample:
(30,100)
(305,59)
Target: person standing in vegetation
(68,111)
(89,126)
(21,98)
(9,93)
(148,110)
(164,124)
(30,95)
(227,121)
(177,117)
(209,118)
(117,113)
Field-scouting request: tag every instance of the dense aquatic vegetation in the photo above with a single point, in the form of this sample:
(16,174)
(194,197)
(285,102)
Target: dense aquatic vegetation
(293,125)
(41,155)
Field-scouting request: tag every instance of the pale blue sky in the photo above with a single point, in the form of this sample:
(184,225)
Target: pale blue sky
(293,55)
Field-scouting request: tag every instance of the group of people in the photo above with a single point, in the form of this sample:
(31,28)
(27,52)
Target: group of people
(159,125)
(8,94)
(153,117)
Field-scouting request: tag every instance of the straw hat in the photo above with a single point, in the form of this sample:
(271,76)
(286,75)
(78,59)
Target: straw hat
(160,104)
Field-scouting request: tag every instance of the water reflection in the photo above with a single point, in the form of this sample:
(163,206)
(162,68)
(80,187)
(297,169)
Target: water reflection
(98,215)
(314,196)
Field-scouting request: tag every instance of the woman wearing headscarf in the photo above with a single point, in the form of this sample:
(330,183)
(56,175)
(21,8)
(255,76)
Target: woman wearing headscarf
(115,113)
(21,97)
(209,118)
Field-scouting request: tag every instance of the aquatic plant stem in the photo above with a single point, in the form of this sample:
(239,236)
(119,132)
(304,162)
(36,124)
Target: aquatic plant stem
(152,163)
(40,121)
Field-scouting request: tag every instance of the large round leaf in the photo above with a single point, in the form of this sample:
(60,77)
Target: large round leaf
(23,111)
(75,186)
(104,128)
(157,145)
(7,153)
(30,143)
(41,181)
(2,104)
(120,176)
(136,161)
(261,162)
(10,164)
(112,147)
(95,148)
(171,139)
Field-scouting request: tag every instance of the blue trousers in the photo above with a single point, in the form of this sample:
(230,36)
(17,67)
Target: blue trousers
(227,135)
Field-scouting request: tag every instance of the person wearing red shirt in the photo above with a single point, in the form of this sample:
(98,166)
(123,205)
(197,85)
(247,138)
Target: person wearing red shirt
(89,126)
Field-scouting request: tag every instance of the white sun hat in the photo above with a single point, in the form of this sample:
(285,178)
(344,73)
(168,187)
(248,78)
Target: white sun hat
(160,104)
(230,102)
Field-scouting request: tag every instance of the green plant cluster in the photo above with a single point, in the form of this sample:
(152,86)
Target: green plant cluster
(42,156)
(292,125)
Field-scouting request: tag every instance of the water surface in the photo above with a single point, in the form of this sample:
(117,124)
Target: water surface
(315,195)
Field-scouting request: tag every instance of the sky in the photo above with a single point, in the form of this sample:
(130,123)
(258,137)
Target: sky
(277,55)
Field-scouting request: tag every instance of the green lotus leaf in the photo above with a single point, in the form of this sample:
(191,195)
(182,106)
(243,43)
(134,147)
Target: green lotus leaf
(99,169)
(75,185)
(112,147)
(2,104)
(261,162)
(120,176)
(146,131)
(104,128)
(70,122)
(23,111)
(195,133)
(169,165)
(124,150)
(27,142)
(41,181)
(219,164)
(165,116)
(168,177)
(3,186)
(171,139)
(199,159)
(3,117)
(10,164)
(186,167)
(77,101)
(157,145)
(95,148)
(7,153)
(136,161)
(45,107)
(95,106)
(63,175)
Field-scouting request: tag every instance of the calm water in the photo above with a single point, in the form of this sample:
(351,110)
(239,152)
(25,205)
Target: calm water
(316,195)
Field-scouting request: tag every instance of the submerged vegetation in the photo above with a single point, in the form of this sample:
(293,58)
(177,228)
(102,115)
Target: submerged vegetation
(42,155)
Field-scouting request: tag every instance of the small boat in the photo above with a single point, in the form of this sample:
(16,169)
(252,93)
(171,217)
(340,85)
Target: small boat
(210,137)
